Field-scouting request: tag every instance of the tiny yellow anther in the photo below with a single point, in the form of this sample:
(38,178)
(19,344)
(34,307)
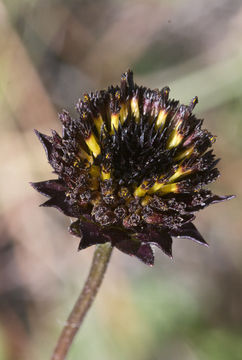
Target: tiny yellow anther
(212,139)
(117,95)
(123,193)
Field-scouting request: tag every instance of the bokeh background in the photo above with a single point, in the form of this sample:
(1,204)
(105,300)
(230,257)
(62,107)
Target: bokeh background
(51,51)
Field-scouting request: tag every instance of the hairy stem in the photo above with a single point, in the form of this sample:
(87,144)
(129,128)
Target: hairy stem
(99,264)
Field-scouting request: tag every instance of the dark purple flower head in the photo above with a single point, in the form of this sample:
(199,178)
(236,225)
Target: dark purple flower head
(131,169)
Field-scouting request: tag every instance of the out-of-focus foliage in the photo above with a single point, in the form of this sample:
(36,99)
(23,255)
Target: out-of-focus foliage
(50,53)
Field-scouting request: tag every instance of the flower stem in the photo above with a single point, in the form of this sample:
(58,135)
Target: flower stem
(99,264)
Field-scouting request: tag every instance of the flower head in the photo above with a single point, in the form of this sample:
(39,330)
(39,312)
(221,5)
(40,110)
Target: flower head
(131,169)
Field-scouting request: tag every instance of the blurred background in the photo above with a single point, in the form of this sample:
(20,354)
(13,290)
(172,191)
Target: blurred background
(51,52)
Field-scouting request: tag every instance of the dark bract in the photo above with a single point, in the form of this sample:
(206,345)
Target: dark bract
(131,168)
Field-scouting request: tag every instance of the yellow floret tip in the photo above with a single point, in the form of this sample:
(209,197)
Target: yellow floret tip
(98,121)
(165,189)
(114,122)
(123,113)
(184,154)
(141,190)
(135,108)
(161,119)
(174,140)
(180,171)
(105,175)
(93,145)
(157,185)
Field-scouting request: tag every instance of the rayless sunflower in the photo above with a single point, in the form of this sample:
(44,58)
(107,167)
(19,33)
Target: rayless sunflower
(131,169)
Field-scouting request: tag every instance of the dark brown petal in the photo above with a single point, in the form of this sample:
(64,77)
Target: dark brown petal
(189,231)
(146,254)
(163,240)
(89,232)
(204,199)
(160,238)
(185,218)
(46,141)
(92,234)
(50,187)
(62,204)
(133,247)
(116,235)
(216,199)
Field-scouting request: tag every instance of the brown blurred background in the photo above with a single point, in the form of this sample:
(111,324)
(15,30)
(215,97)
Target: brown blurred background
(51,51)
